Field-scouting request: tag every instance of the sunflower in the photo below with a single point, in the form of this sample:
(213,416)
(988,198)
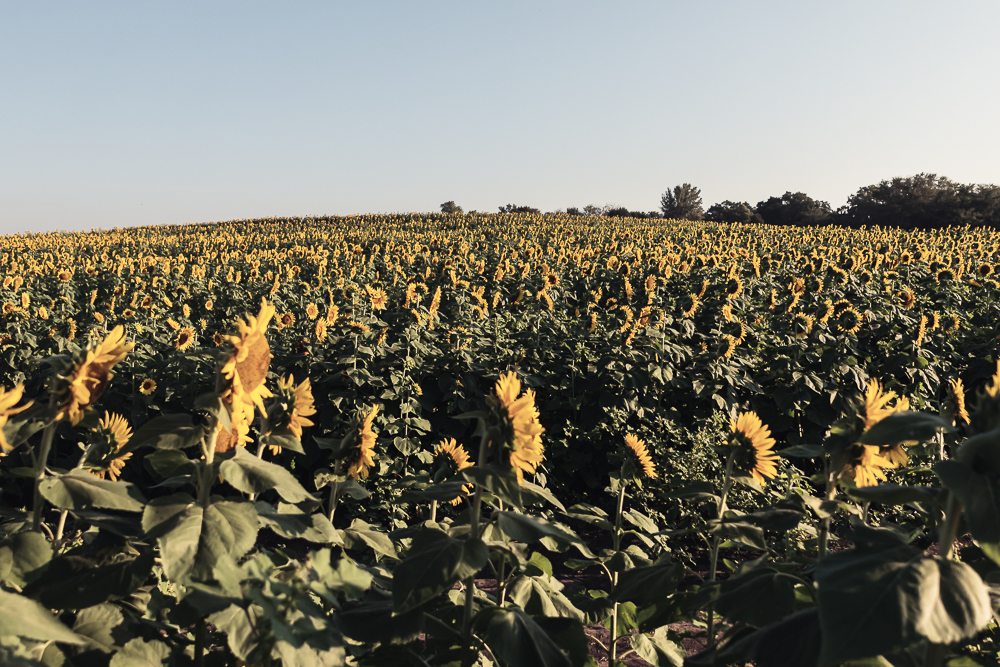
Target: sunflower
(454,459)
(117,432)
(65,276)
(754,447)
(801,325)
(944,275)
(185,339)
(985,269)
(552,280)
(238,435)
(362,458)
(689,305)
(148,386)
(246,368)
(725,346)
(921,331)
(639,456)
(518,421)
(954,323)
(8,399)
(956,401)
(876,403)
(824,312)
(312,311)
(286,320)
(906,298)
(378,298)
(865,465)
(734,287)
(320,333)
(849,321)
(82,386)
(209,304)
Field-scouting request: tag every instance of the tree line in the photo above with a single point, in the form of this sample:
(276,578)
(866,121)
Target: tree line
(921,201)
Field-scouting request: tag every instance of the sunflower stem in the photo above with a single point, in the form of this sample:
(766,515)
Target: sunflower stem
(949,529)
(470,583)
(40,461)
(713,556)
(617,540)
(334,492)
(824,530)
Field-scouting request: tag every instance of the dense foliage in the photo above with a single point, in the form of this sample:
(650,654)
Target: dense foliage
(296,402)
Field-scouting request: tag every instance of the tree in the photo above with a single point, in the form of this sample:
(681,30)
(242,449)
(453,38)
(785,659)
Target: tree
(924,201)
(513,208)
(451,207)
(733,211)
(682,203)
(573,210)
(794,208)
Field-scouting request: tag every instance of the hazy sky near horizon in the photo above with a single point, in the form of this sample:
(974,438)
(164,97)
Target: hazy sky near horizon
(126,113)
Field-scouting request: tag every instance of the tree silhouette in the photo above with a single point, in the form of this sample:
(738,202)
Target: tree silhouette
(682,203)
(451,207)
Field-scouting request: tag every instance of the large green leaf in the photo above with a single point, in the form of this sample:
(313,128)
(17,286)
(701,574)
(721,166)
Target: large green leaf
(658,650)
(360,535)
(96,623)
(239,624)
(893,494)
(193,538)
(76,582)
(291,523)
(140,653)
(516,639)
(167,432)
(22,617)
(980,498)
(758,597)
(542,596)
(23,557)
(794,641)
(435,563)
(903,427)
(527,528)
(252,475)
(649,582)
(375,621)
(501,483)
(79,490)
(876,601)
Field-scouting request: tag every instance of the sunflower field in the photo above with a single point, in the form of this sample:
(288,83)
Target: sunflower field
(500,439)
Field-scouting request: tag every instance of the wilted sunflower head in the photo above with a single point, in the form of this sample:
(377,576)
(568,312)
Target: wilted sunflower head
(906,298)
(752,447)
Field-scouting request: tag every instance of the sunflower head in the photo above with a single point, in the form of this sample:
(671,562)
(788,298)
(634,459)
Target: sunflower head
(8,401)
(637,463)
(112,433)
(849,321)
(291,406)
(185,339)
(450,458)
(801,325)
(88,374)
(244,369)
(359,452)
(752,447)
(516,434)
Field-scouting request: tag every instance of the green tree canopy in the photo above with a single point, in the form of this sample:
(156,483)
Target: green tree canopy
(683,202)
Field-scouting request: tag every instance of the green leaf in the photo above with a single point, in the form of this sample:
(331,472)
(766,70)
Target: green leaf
(167,432)
(23,557)
(21,617)
(239,625)
(442,492)
(543,596)
(758,597)
(741,532)
(170,463)
(80,490)
(591,514)
(374,621)
(526,528)
(533,494)
(435,563)
(695,491)
(96,623)
(980,498)
(192,539)
(903,427)
(650,582)
(794,641)
(360,535)
(252,475)
(658,650)
(873,602)
(285,441)
(140,653)
(502,484)
(17,430)
(77,582)
(802,452)
(290,523)
(516,639)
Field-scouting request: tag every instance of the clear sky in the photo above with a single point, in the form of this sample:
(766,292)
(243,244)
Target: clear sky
(125,113)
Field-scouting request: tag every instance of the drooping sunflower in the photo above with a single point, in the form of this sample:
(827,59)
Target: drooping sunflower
(754,447)
(945,275)
(117,432)
(453,457)
(84,384)
(825,312)
(185,339)
(8,399)
(638,456)
(518,422)
(906,298)
(362,458)
(955,401)
(245,370)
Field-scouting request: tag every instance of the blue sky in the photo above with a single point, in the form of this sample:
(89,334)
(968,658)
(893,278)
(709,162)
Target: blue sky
(125,113)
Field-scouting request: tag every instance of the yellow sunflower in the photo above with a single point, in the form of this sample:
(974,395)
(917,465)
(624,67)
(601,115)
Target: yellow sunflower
(519,423)
(312,311)
(147,387)
(246,368)
(8,399)
(754,445)
(956,401)
(238,435)
(81,388)
(456,459)
(640,456)
(363,457)
(185,339)
(301,403)
(118,433)
(865,465)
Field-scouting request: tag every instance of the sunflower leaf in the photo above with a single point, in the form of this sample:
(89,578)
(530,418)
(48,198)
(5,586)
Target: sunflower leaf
(249,474)
(903,427)
(79,490)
